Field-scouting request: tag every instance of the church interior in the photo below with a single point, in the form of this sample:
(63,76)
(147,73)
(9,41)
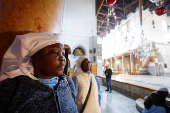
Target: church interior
(131,37)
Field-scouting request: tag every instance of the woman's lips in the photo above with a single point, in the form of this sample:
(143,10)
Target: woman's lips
(61,67)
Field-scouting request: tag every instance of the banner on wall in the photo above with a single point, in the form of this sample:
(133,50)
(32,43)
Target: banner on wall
(99,52)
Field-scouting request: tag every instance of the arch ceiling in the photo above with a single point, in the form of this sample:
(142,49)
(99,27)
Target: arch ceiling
(121,9)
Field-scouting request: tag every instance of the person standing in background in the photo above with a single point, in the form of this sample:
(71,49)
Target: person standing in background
(108,73)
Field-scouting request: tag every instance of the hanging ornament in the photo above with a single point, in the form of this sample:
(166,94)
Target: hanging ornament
(110,2)
(142,32)
(133,52)
(153,23)
(133,38)
(168,29)
(126,38)
(115,20)
(158,2)
(152,1)
(160,11)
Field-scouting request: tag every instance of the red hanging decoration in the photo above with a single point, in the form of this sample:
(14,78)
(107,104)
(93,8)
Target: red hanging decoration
(160,11)
(110,2)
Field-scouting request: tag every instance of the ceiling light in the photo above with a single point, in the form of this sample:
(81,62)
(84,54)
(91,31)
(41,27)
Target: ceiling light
(110,2)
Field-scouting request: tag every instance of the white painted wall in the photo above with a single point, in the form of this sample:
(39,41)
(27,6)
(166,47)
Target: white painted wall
(116,40)
(79,27)
(163,58)
(115,43)
(99,63)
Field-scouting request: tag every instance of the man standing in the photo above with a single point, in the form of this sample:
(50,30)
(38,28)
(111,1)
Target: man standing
(108,73)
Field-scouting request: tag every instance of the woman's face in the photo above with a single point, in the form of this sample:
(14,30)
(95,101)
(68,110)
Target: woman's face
(49,61)
(85,65)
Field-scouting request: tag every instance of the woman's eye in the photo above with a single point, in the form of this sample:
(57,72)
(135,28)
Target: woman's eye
(54,52)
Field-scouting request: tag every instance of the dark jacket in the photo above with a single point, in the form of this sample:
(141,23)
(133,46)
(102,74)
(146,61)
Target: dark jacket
(109,73)
(25,95)
(155,99)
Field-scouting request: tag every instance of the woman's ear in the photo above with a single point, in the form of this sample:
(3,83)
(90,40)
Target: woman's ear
(34,58)
(81,65)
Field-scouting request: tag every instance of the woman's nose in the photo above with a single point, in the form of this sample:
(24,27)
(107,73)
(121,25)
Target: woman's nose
(61,57)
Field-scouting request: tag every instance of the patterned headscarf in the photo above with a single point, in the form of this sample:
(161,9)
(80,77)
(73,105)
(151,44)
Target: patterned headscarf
(17,59)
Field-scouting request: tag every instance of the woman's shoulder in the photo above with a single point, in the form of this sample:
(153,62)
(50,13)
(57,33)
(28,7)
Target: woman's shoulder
(78,74)
(67,77)
(70,81)
(9,85)
(93,75)
(22,80)
(13,80)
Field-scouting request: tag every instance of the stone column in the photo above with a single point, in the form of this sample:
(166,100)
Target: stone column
(104,63)
(116,64)
(129,64)
(138,63)
(113,62)
(132,63)
(18,17)
(123,64)
(110,62)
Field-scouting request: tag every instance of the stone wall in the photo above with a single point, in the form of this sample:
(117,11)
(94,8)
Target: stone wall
(18,17)
(129,90)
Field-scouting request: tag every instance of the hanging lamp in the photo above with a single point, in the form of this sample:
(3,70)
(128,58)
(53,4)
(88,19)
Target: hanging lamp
(160,11)
(110,2)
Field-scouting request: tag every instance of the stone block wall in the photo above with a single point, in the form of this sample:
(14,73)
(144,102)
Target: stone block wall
(129,90)
(19,17)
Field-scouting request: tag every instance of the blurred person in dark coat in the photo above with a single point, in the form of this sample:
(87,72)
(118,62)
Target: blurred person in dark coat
(108,73)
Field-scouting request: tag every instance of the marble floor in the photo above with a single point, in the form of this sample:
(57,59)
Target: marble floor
(116,103)
(148,81)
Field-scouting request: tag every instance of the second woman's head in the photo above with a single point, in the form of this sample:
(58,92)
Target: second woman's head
(85,65)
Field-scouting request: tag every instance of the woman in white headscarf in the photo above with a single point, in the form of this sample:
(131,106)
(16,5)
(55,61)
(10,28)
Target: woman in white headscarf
(81,78)
(32,78)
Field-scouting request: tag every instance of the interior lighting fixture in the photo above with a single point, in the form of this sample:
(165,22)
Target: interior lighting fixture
(110,2)
(160,11)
